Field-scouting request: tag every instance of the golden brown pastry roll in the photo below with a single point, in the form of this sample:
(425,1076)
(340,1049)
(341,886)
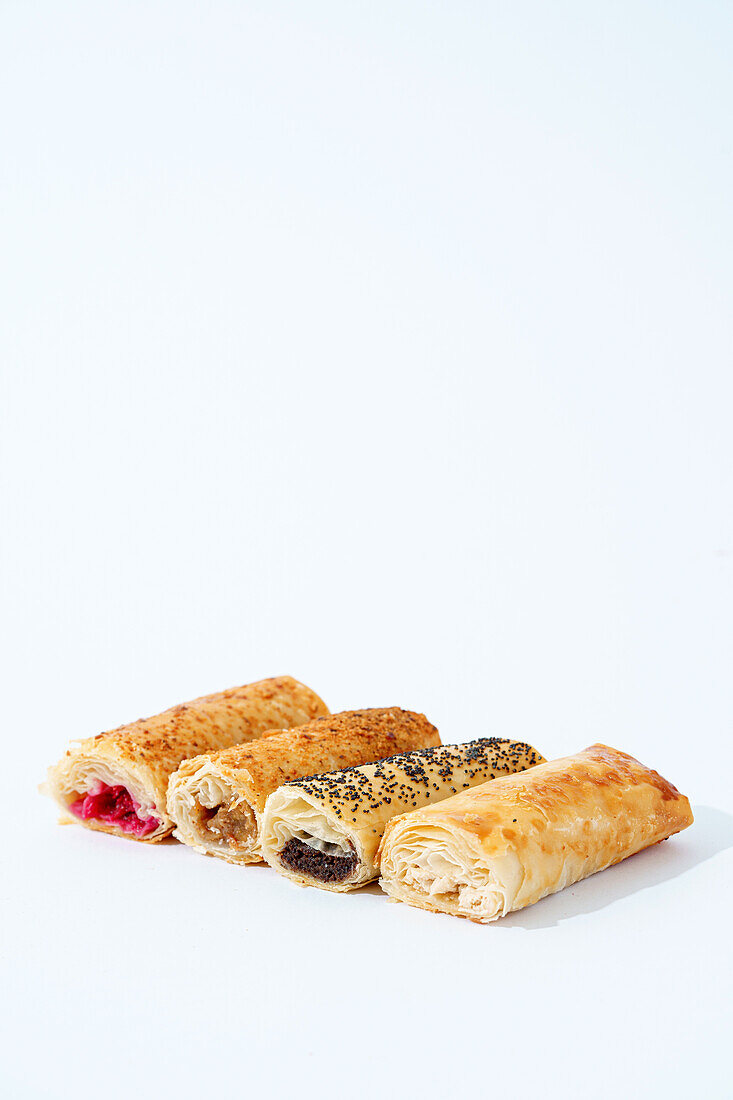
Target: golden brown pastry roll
(508,843)
(217,800)
(325,830)
(116,782)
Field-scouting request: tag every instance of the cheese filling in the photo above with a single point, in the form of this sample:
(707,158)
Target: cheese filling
(451,874)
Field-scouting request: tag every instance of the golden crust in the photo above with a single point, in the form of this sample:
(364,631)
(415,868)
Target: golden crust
(552,825)
(327,743)
(145,753)
(249,773)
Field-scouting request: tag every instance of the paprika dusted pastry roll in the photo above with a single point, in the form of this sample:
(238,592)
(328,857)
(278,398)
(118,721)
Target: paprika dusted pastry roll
(506,844)
(325,830)
(116,782)
(217,799)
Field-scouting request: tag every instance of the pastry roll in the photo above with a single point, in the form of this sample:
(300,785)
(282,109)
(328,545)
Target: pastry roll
(217,799)
(116,782)
(325,830)
(506,844)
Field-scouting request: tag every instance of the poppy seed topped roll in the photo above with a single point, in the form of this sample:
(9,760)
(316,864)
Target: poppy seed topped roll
(325,830)
(217,799)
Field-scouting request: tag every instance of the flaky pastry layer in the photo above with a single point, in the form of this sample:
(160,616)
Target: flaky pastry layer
(508,843)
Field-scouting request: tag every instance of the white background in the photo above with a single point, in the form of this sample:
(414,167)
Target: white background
(388,346)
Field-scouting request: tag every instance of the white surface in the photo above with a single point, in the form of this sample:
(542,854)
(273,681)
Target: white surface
(387,346)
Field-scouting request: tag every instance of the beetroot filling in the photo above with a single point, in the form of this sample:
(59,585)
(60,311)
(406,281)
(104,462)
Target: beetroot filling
(114,806)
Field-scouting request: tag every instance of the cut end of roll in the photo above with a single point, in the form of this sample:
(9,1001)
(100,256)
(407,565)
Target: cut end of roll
(438,873)
(106,798)
(307,845)
(210,816)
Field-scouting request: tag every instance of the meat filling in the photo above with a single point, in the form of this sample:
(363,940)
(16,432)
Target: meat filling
(300,857)
(234,825)
(114,806)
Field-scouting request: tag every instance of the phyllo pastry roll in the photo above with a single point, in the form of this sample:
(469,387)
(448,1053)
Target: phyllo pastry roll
(325,830)
(116,782)
(217,800)
(506,844)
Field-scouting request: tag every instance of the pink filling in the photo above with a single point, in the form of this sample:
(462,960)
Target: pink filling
(114,806)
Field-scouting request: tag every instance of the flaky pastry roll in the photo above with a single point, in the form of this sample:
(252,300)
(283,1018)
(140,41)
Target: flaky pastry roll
(116,782)
(217,800)
(508,843)
(325,830)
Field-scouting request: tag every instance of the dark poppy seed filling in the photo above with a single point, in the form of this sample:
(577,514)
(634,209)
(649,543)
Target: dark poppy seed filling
(300,857)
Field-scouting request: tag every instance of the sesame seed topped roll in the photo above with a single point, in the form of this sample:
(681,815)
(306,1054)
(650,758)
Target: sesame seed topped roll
(116,782)
(504,845)
(217,799)
(325,830)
